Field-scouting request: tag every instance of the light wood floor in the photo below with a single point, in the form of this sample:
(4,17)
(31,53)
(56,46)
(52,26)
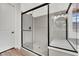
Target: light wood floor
(15,52)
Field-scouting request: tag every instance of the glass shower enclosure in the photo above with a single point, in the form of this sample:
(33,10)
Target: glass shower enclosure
(50,25)
(35,30)
(62,35)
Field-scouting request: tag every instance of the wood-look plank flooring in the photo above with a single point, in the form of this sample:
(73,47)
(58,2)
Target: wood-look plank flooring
(15,52)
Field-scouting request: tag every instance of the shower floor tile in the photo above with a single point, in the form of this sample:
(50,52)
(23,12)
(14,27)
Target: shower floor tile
(61,43)
(28,45)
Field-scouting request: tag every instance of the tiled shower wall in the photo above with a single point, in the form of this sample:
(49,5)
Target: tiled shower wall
(40,35)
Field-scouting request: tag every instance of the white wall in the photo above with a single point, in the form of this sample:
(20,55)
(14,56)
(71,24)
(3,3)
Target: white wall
(17,24)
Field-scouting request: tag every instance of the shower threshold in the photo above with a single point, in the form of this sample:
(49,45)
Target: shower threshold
(62,44)
(60,52)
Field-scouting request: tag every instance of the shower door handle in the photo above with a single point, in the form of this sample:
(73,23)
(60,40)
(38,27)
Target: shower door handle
(12,32)
(29,27)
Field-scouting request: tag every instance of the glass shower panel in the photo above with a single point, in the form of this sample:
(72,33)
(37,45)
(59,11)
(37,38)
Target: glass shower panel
(60,25)
(72,27)
(77,6)
(40,32)
(27,31)
(75,26)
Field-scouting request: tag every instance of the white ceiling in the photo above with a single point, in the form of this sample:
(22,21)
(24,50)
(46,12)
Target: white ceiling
(27,6)
(55,7)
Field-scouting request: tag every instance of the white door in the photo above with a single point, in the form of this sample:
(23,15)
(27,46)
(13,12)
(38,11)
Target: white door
(7,26)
